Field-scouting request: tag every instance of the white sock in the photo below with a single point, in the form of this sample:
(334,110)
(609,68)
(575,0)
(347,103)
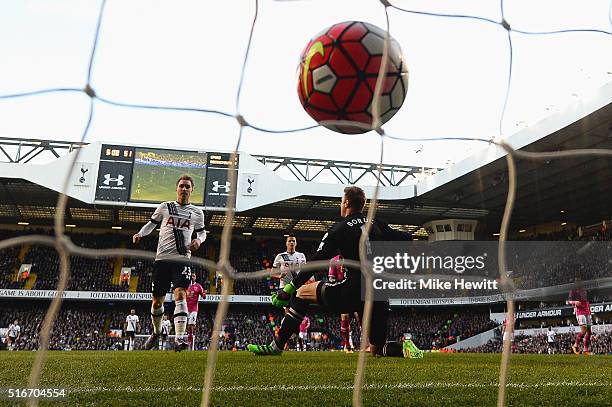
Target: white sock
(180,318)
(156,318)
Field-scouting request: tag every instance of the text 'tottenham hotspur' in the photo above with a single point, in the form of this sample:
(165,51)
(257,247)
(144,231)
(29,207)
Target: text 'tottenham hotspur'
(435,284)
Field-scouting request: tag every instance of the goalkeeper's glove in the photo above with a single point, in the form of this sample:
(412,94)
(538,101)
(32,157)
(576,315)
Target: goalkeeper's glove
(281,298)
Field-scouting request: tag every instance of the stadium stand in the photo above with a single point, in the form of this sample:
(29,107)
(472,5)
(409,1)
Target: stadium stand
(600,344)
(248,256)
(87,326)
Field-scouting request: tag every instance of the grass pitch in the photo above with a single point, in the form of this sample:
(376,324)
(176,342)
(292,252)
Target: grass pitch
(142,378)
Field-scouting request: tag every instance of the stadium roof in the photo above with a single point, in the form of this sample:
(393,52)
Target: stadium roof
(569,190)
(577,190)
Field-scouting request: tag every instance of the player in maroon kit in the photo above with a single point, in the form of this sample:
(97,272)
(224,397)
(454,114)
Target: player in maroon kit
(336,275)
(194,292)
(303,335)
(582,309)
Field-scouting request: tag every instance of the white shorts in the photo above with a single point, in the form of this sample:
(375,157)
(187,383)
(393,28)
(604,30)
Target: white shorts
(584,320)
(304,335)
(192,318)
(507,335)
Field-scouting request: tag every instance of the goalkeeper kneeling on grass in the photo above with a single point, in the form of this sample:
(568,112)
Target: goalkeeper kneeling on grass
(344,297)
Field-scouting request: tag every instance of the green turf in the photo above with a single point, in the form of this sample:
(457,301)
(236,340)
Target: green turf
(313,379)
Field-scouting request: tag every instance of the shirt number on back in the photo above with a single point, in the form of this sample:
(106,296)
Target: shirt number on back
(186,272)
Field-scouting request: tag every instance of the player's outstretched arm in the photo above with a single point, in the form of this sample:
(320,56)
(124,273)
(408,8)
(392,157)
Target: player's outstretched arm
(150,225)
(275,270)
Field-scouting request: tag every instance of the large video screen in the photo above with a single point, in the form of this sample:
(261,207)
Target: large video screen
(156,171)
(114,173)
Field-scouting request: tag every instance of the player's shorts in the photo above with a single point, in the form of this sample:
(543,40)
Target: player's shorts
(192,318)
(506,335)
(130,334)
(304,335)
(12,339)
(166,272)
(164,337)
(584,320)
(345,297)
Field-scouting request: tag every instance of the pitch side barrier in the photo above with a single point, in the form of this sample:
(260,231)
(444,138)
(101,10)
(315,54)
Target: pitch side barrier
(265,299)
(561,311)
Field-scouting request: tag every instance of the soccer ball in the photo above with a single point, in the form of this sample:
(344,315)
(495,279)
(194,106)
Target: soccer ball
(338,71)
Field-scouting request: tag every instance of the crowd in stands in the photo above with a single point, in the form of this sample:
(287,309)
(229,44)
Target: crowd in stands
(74,329)
(87,327)
(97,274)
(601,234)
(600,344)
(252,255)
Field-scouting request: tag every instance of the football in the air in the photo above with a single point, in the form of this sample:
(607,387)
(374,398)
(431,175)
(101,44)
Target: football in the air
(338,71)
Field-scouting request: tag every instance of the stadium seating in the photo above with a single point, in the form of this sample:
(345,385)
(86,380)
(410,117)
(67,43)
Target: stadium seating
(85,326)
(600,344)
(247,256)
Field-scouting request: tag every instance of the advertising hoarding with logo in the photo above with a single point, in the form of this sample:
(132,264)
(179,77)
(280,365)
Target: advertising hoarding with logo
(218,186)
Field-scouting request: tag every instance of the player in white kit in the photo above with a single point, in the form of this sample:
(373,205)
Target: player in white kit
(287,264)
(550,339)
(13,335)
(177,220)
(131,326)
(166,326)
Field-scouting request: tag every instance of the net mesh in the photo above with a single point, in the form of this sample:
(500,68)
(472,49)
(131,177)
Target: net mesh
(66,248)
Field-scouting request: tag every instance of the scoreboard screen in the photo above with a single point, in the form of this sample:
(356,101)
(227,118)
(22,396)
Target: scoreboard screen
(218,184)
(117,153)
(156,171)
(148,175)
(114,173)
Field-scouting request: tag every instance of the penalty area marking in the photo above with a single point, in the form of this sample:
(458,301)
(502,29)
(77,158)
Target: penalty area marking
(323,387)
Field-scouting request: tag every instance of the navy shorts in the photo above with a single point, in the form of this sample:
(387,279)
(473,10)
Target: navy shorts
(166,272)
(345,297)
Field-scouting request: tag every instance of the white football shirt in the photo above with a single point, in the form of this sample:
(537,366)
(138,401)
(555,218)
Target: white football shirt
(550,335)
(14,330)
(132,322)
(177,224)
(289,265)
(165,327)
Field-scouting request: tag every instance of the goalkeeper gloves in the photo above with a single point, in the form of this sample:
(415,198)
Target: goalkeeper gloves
(281,298)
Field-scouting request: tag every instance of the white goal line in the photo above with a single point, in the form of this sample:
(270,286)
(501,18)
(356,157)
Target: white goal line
(346,387)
